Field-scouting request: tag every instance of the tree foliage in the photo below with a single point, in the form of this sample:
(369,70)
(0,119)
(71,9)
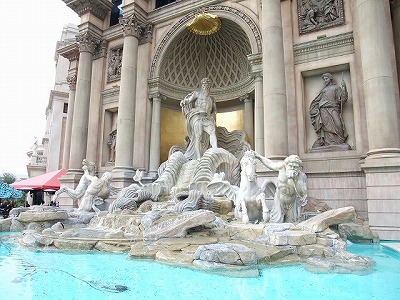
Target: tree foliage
(8,178)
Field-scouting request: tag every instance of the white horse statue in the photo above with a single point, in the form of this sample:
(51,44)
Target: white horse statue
(249,198)
(250,203)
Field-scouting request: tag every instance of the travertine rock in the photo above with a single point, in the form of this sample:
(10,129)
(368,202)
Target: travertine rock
(227,253)
(331,217)
(40,216)
(177,226)
(357,233)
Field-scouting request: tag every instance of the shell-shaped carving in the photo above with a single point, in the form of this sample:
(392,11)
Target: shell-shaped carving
(192,202)
(204,24)
(169,175)
(217,160)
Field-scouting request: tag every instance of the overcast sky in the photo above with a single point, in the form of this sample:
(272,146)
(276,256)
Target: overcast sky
(29,31)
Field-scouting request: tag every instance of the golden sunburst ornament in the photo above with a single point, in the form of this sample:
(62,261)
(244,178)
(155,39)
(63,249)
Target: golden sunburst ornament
(204,24)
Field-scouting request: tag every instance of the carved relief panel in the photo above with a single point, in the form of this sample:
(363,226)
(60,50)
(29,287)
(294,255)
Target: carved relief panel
(314,15)
(114,64)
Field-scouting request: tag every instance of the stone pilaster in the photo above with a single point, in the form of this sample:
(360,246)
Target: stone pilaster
(255,61)
(248,118)
(70,52)
(274,82)
(155,135)
(99,62)
(143,105)
(68,128)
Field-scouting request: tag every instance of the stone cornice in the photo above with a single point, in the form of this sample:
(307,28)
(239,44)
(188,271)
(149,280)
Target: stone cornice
(324,48)
(70,52)
(134,8)
(157,85)
(113,33)
(255,61)
(58,94)
(169,11)
(98,8)
(110,95)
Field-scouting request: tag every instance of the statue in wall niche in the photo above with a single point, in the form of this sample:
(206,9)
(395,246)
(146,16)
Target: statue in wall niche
(200,112)
(97,191)
(291,189)
(112,143)
(318,14)
(326,115)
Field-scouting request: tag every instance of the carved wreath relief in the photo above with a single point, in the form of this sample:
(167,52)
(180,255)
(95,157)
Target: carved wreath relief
(314,15)
(114,64)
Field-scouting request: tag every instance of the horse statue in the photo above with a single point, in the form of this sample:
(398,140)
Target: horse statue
(250,203)
(249,199)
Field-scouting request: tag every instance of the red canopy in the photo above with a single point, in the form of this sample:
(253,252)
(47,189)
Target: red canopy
(45,181)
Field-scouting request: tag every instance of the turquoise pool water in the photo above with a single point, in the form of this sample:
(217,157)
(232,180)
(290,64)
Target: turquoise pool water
(29,274)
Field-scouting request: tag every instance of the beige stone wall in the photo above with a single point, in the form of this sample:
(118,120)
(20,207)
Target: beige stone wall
(336,177)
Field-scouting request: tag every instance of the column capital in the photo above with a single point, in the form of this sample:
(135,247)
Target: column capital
(131,25)
(71,79)
(157,96)
(257,76)
(245,98)
(147,33)
(87,42)
(101,49)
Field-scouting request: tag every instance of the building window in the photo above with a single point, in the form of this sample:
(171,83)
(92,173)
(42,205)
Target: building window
(160,3)
(116,12)
(65,109)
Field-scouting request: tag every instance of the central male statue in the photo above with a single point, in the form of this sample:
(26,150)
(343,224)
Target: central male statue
(200,112)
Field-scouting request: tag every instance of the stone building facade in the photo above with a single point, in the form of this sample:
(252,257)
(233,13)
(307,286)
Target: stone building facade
(135,60)
(49,153)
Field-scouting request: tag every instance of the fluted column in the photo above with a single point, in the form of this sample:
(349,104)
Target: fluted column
(395,7)
(248,118)
(87,44)
(274,82)
(377,74)
(382,164)
(99,62)
(123,170)
(143,105)
(68,128)
(155,135)
(259,115)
